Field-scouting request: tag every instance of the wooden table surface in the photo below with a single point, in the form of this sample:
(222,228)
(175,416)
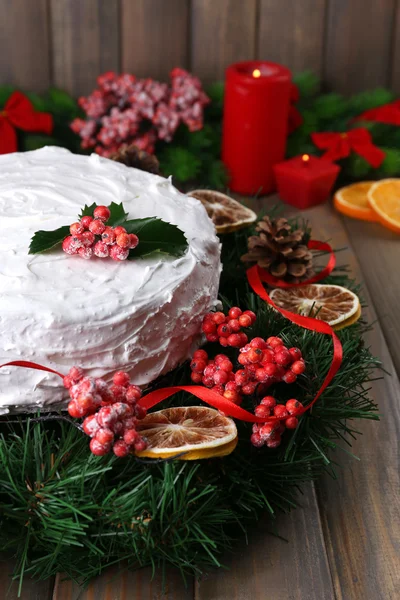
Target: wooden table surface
(344,541)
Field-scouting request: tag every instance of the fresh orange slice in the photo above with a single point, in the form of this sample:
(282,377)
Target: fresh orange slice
(384,199)
(330,303)
(226,213)
(193,432)
(352,201)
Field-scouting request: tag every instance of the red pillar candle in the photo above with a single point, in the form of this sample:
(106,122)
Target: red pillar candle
(305,180)
(256,109)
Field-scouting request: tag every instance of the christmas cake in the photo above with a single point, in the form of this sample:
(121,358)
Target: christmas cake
(143,316)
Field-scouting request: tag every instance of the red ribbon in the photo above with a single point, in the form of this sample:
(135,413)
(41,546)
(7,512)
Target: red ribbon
(31,365)
(388,114)
(339,145)
(19,113)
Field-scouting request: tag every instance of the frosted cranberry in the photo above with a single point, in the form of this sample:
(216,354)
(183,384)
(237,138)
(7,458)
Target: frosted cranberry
(241,377)
(108,236)
(268,356)
(212,337)
(210,370)
(273,342)
(256,440)
(282,356)
(261,375)
(298,367)
(232,386)
(223,342)
(226,365)
(140,412)
(86,221)
(244,320)
(85,253)
(234,312)
(274,441)
(220,358)
(269,402)
(118,392)
(90,425)
(87,238)
(280,411)
(130,436)
(218,318)
(218,389)
(262,411)
(122,240)
(69,245)
(140,445)
(75,373)
(198,366)
(67,382)
(85,404)
(76,228)
(133,241)
(208,381)
(270,369)
(250,314)
(196,377)
(258,342)
(293,406)
(99,449)
(249,389)
(102,213)
(291,423)
(97,227)
(118,253)
(234,340)
(104,436)
(295,353)
(119,229)
(234,325)
(209,327)
(221,377)
(267,429)
(121,378)
(74,410)
(120,449)
(224,330)
(101,250)
(289,377)
(255,355)
(242,359)
(233,396)
(243,339)
(200,355)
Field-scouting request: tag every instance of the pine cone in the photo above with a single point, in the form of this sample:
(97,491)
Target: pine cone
(132,156)
(280,250)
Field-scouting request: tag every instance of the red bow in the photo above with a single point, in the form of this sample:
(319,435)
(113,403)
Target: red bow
(388,113)
(339,145)
(295,118)
(19,112)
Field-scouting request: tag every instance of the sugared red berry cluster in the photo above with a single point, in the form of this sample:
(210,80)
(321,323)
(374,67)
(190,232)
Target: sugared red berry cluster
(111,411)
(226,329)
(270,433)
(92,237)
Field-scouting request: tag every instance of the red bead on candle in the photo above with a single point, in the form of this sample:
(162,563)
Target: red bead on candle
(305,180)
(255,124)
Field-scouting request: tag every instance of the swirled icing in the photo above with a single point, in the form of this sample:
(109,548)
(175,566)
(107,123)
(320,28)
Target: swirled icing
(58,310)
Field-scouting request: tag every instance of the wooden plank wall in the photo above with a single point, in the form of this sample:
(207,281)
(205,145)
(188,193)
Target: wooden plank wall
(352,44)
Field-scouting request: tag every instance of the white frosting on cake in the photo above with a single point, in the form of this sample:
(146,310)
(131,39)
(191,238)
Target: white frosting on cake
(58,310)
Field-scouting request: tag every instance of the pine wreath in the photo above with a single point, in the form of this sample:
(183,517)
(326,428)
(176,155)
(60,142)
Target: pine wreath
(63,509)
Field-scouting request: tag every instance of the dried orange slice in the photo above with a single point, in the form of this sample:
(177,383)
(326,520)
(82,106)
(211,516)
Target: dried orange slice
(333,304)
(352,201)
(193,432)
(226,213)
(384,199)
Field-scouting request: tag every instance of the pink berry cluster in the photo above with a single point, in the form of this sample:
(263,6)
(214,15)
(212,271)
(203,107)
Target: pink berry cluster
(226,329)
(270,433)
(92,237)
(124,110)
(111,411)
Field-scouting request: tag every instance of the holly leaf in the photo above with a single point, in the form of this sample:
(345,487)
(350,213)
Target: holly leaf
(118,215)
(45,240)
(87,211)
(156,235)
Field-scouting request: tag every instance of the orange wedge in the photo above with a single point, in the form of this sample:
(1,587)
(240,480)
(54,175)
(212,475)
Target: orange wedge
(352,201)
(384,199)
(226,213)
(334,304)
(189,433)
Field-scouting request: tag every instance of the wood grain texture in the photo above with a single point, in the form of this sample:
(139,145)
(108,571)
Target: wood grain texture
(31,590)
(292,33)
(360,512)
(222,32)
(395,61)
(358,44)
(269,568)
(115,584)
(155,36)
(85,42)
(24,44)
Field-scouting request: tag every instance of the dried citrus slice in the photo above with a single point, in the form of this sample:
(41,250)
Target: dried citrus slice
(226,213)
(330,303)
(352,201)
(384,199)
(193,432)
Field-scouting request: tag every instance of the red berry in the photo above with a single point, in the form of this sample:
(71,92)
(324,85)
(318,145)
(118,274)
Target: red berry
(261,375)
(212,337)
(130,436)
(234,340)
(267,429)
(234,325)
(282,356)
(223,342)
(280,411)
(121,378)
(119,229)
(87,238)
(234,312)
(74,410)
(101,250)
(118,253)
(218,318)
(233,396)
(268,356)
(295,353)
(198,366)
(196,377)
(258,342)
(224,330)
(243,339)
(291,423)
(249,389)
(270,369)
(76,228)
(140,445)
(67,382)
(289,377)
(251,314)
(140,412)
(273,342)
(85,403)
(293,406)
(97,227)
(122,240)
(269,402)
(210,369)
(298,367)
(255,355)
(104,436)
(242,359)
(69,245)
(90,425)
(256,440)
(221,377)
(245,320)
(200,355)
(85,253)
(225,365)
(99,449)
(209,327)
(218,389)
(241,377)
(119,392)
(232,386)
(76,374)
(86,221)
(108,236)
(218,358)
(274,441)
(120,449)
(102,212)
(262,411)
(133,241)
